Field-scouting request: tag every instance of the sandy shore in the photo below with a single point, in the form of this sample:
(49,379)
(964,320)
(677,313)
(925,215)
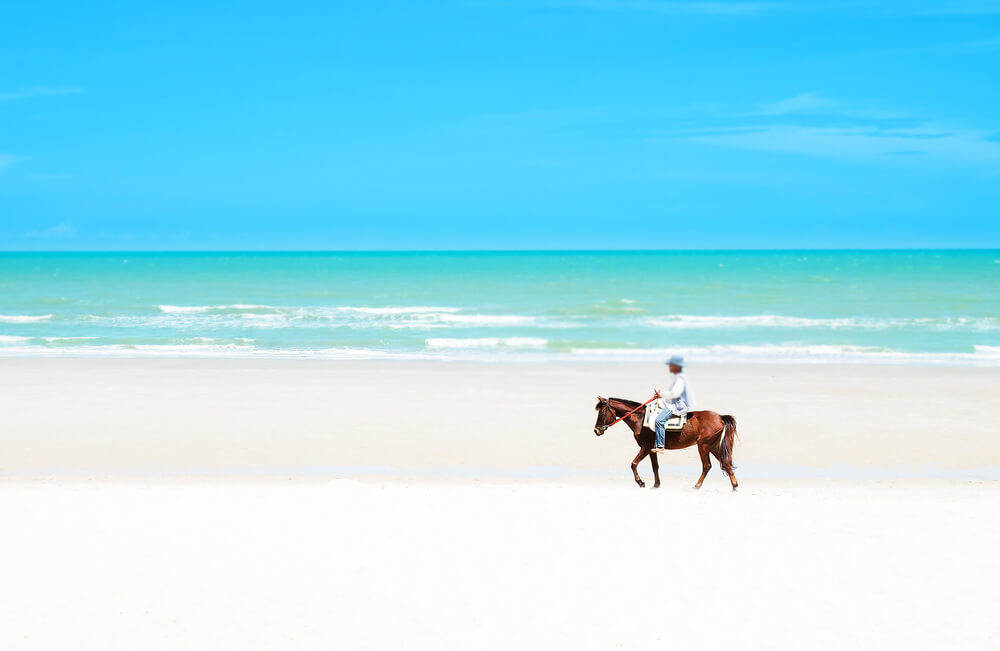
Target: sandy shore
(206,504)
(348,418)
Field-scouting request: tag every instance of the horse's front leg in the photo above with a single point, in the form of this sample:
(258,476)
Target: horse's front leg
(654,459)
(635,466)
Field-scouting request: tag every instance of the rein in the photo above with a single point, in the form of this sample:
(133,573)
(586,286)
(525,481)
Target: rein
(629,413)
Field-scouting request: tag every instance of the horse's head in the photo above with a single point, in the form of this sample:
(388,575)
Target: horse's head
(605,415)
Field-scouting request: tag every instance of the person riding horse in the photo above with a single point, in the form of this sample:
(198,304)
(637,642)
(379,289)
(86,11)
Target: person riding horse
(714,434)
(679,399)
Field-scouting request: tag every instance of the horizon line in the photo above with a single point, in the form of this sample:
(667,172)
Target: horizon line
(514,250)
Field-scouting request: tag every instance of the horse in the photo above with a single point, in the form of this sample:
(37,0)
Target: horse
(712,433)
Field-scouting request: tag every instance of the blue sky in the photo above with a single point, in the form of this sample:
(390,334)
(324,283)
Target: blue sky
(493,124)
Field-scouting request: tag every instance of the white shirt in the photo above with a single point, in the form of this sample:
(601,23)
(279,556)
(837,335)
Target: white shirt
(676,388)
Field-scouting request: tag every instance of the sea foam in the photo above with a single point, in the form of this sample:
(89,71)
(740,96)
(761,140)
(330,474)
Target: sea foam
(793,354)
(355,317)
(487,342)
(199,309)
(693,322)
(417,309)
(23,318)
(485,349)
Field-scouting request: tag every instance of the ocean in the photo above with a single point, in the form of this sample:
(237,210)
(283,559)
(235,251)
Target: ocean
(931,307)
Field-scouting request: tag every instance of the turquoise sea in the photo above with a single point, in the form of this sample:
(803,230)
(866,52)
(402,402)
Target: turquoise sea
(937,307)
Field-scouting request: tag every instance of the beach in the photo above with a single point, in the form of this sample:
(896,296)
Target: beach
(277,504)
(459,565)
(491,419)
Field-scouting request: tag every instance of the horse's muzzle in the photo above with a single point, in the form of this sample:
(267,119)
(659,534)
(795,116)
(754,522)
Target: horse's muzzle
(600,430)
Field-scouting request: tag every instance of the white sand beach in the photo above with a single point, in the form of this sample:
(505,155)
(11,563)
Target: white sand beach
(212,416)
(205,504)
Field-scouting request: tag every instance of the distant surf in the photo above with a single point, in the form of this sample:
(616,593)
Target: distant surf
(920,307)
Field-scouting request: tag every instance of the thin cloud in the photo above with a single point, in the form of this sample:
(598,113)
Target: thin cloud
(981,44)
(48,176)
(724,8)
(6,160)
(38,91)
(811,103)
(870,143)
(59,231)
(963,9)
(649,6)
(912,8)
(844,7)
(801,103)
(811,124)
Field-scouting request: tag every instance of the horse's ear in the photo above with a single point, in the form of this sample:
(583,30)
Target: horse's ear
(600,399)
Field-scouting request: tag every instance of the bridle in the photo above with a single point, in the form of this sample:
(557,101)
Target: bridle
(607,405)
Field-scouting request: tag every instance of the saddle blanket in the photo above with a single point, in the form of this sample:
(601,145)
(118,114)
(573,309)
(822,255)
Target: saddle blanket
(653,409)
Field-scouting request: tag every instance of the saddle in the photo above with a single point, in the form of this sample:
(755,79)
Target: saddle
(674,424)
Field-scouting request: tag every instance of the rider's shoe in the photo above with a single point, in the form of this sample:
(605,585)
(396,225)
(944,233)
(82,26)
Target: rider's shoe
(659,450)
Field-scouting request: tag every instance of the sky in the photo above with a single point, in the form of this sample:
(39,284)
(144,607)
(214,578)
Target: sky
(490,124)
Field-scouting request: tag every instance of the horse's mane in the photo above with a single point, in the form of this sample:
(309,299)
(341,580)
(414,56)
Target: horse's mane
(631,404)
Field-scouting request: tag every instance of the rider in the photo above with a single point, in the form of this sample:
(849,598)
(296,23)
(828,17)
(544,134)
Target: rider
(678,397)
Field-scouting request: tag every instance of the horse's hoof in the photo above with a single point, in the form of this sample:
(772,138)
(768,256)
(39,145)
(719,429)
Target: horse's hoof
(696,488)
(656,485)
(641,484)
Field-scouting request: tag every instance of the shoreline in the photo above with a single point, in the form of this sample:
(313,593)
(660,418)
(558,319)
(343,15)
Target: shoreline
(983,356)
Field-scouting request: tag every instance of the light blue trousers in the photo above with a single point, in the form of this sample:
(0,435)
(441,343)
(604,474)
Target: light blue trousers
(661,421)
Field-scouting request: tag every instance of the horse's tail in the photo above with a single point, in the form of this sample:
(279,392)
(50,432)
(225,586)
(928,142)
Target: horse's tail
(728,439)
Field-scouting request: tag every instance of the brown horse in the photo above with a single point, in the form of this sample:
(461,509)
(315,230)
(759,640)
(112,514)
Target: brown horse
(712,433)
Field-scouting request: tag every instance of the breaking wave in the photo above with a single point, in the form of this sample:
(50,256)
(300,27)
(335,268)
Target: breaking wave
(22,318)
(199,309)
(777,353)
(518,349)
(488,342)
(268,316)
(240,315)
(692,322)
(457,332)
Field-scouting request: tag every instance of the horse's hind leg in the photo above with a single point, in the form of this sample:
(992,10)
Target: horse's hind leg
(727,467)
(635,465)
(656,469)
(706,463)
